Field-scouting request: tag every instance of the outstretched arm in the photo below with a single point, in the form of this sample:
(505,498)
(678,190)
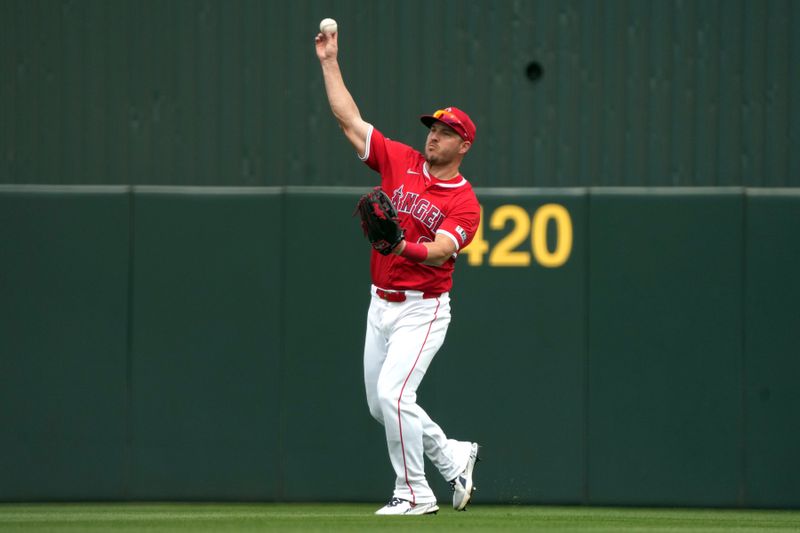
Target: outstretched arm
(341,101)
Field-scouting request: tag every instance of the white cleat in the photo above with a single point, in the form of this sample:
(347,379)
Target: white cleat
(398,506)
(462,485)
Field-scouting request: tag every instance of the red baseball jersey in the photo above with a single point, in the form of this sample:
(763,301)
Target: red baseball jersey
(426,206)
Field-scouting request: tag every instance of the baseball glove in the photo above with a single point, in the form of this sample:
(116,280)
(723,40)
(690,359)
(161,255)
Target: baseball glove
(379,221)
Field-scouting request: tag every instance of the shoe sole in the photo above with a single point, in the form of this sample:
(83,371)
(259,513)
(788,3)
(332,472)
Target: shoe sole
(470,488)
(430,510)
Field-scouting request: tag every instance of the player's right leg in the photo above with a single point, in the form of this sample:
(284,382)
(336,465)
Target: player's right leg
(374,355)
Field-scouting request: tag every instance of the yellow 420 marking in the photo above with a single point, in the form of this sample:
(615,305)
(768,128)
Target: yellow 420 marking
(508,252)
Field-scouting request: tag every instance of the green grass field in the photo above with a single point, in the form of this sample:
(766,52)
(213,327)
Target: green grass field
(169,517)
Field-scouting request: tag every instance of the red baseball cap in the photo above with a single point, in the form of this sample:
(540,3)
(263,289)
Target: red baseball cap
(455,118)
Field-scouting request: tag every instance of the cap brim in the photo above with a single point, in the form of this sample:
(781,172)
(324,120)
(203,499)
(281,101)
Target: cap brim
(428,120)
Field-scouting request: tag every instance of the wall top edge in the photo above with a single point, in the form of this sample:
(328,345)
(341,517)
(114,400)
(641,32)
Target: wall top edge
(480,191)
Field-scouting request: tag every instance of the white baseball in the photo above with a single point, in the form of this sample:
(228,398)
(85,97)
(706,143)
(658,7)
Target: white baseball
(328,26)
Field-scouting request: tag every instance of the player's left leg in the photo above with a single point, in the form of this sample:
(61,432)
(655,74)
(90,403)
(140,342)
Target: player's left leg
(449,456)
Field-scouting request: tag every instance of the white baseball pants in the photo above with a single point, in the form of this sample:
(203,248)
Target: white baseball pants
(401,340)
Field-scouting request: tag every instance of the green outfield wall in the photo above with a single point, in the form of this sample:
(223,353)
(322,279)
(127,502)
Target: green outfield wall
(565,93)
(609,346)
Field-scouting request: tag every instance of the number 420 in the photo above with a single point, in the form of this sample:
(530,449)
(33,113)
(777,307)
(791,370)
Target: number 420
(506,253)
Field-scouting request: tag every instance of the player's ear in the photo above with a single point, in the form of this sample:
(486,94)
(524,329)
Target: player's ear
(465,146)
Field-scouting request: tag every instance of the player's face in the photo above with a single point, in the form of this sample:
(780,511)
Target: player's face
(443,145)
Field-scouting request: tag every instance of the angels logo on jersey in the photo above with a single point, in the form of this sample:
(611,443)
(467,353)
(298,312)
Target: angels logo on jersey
(420,208)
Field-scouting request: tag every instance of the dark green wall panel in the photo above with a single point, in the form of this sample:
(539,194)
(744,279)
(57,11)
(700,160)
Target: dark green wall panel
(772,338)
(515,355)
(193,92)
(665,347)
(326,425)
(63,343)
(206,344)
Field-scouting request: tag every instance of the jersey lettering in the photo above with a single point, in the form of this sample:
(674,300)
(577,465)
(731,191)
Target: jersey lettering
(423,210)
(420,208)
(433,218)
(407,202)
(396,196)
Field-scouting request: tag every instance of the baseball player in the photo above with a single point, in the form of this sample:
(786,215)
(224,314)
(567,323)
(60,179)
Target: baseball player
(409,312)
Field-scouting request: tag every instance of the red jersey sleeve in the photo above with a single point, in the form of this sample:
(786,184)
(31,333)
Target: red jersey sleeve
(383,155)
(462,220)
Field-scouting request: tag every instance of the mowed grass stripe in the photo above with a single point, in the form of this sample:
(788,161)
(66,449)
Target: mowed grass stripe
(202,517)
